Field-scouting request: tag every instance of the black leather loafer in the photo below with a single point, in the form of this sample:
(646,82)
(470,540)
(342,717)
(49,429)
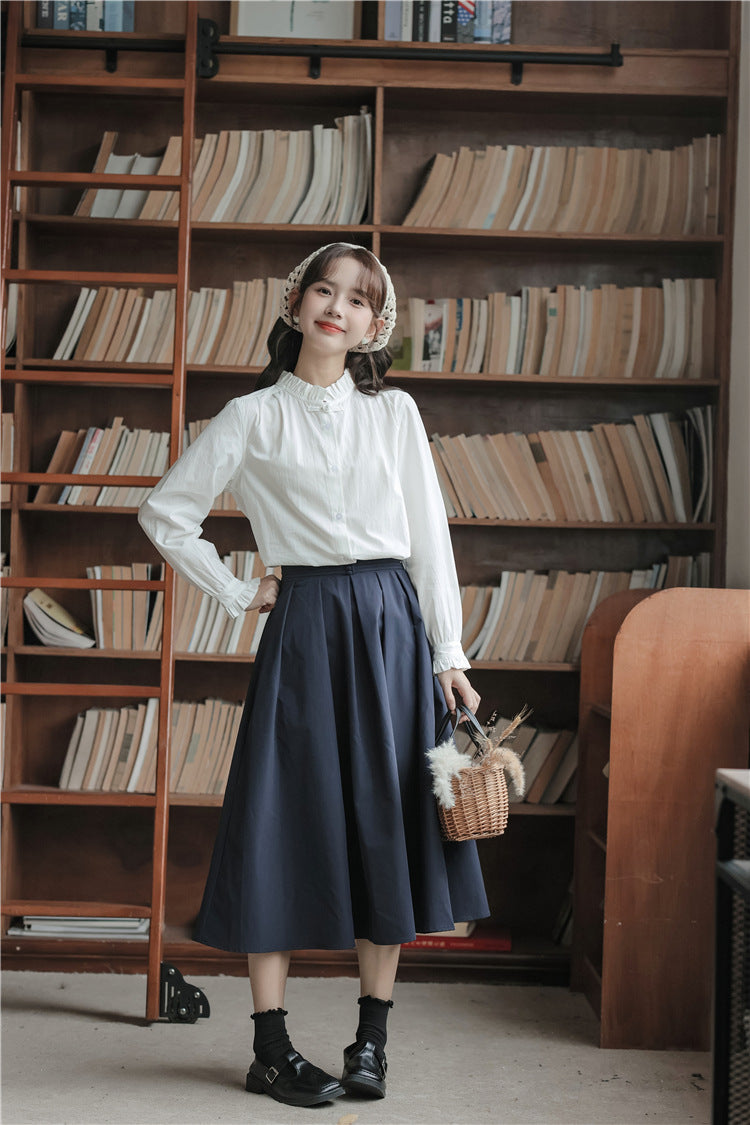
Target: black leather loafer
(364,1069)
(295,1081)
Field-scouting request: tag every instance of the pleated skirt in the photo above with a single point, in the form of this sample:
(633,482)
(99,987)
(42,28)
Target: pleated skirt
(329,829)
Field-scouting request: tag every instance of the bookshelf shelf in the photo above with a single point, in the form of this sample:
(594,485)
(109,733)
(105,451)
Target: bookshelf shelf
(45,795)
(78,909)
(678,81)
(545,240)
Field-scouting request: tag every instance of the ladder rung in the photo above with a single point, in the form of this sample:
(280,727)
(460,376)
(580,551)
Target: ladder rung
(77,277)
(95,179)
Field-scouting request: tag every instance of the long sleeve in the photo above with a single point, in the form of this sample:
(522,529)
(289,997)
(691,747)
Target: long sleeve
(172,514)
(431,564)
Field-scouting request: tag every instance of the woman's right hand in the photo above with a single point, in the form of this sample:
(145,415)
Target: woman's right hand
(268,592)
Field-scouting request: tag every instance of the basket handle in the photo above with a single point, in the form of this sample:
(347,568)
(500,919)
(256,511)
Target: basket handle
(472,726)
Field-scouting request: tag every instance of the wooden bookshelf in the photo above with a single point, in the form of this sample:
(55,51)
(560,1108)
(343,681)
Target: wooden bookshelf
(679,80)
(664,704)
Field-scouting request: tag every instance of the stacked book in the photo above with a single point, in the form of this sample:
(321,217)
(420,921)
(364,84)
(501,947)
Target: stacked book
(314,176)
(657,468)
(448,21)
(7,437)
(128,619)
(224,326)
(112,451)
(115,749)
(549,758)
(75,926)
(594,189)
(540,617)
(641,332)
(202,625)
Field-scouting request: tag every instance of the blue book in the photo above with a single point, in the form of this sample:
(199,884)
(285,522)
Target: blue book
(128,15)
(61,17)
(483,22)
(77,18)
(113,15)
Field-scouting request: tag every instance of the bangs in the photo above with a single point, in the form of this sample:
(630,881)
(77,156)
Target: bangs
(370,282)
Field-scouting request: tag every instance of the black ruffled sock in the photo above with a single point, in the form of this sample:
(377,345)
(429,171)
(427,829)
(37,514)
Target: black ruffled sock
(271,1041)
(373,1016)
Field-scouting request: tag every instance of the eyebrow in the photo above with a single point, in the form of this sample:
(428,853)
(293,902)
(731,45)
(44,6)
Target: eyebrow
(361,292)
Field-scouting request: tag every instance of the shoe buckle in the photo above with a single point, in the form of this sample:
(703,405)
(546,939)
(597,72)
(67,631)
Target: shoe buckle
(271,1075)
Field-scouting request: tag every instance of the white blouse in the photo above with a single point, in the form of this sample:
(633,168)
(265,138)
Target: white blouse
(325,475)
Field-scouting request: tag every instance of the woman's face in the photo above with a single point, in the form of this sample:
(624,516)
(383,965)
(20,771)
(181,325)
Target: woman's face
(335,314)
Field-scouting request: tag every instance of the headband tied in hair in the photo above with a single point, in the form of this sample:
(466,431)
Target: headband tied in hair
(388,312)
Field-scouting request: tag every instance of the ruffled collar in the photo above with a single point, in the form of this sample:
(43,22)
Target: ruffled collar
(332,397)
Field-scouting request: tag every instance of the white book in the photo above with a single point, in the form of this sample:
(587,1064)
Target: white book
(80,459)
(494,610)
(132,199)
(104,746)
(239,177)
(96,605)
(333,149)
(77,320)
(586,443)
(107,200)
(85,746)
(248,212)
(148,733)
(71,752)
(123,453)
(143,321)
(667,343)
(214,314)
(196,307)
(311,202)
(529,188)
(659,424)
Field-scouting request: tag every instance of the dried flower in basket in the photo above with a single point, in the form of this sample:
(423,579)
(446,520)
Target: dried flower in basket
(447,762)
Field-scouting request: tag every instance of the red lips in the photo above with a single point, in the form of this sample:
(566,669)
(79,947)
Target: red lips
(329,326)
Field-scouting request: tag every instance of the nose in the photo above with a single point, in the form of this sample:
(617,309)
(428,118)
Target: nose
(334,304)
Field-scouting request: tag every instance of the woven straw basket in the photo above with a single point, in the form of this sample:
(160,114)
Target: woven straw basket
(479,787)
(481,807)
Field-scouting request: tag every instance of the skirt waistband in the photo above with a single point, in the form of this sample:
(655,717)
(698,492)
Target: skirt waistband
(344,568)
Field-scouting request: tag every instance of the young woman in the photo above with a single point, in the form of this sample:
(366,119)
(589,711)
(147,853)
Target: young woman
(329,835)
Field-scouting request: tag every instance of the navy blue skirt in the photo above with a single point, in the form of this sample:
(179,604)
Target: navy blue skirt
(329,829)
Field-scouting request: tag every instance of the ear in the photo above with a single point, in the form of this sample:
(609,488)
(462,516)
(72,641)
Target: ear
(375,327)
(294,301)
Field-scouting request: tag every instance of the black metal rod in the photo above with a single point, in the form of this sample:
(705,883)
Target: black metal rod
(103,43)
(458,54)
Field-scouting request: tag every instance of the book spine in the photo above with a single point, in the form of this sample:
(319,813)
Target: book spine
(483,22)
(95,15)
(474,944)
(61,16)
(45,13)
(77,19)
(449,21)
(420,21)
(113,15)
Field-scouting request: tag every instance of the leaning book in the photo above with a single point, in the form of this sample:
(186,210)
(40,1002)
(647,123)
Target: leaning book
(52,623)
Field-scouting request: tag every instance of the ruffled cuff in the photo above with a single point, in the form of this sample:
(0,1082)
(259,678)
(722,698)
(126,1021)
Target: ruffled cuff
(237,595)
(449,656)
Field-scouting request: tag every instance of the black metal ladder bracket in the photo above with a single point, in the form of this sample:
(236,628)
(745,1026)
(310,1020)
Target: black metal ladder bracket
(207,64)
(179,1001)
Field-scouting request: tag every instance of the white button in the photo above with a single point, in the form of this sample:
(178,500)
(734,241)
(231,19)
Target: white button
(339,516)
(332,466)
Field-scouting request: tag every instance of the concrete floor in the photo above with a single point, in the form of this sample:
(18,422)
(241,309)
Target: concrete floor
(77,1051)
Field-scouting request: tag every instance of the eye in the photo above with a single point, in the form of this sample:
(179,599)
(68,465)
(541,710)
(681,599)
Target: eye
(324,290)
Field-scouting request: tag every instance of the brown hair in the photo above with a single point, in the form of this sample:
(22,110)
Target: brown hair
(367,369)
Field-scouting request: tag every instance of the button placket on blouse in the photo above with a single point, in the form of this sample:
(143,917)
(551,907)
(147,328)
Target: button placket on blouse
(330,422)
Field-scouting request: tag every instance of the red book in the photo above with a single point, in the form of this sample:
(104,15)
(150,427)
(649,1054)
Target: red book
(487,939)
